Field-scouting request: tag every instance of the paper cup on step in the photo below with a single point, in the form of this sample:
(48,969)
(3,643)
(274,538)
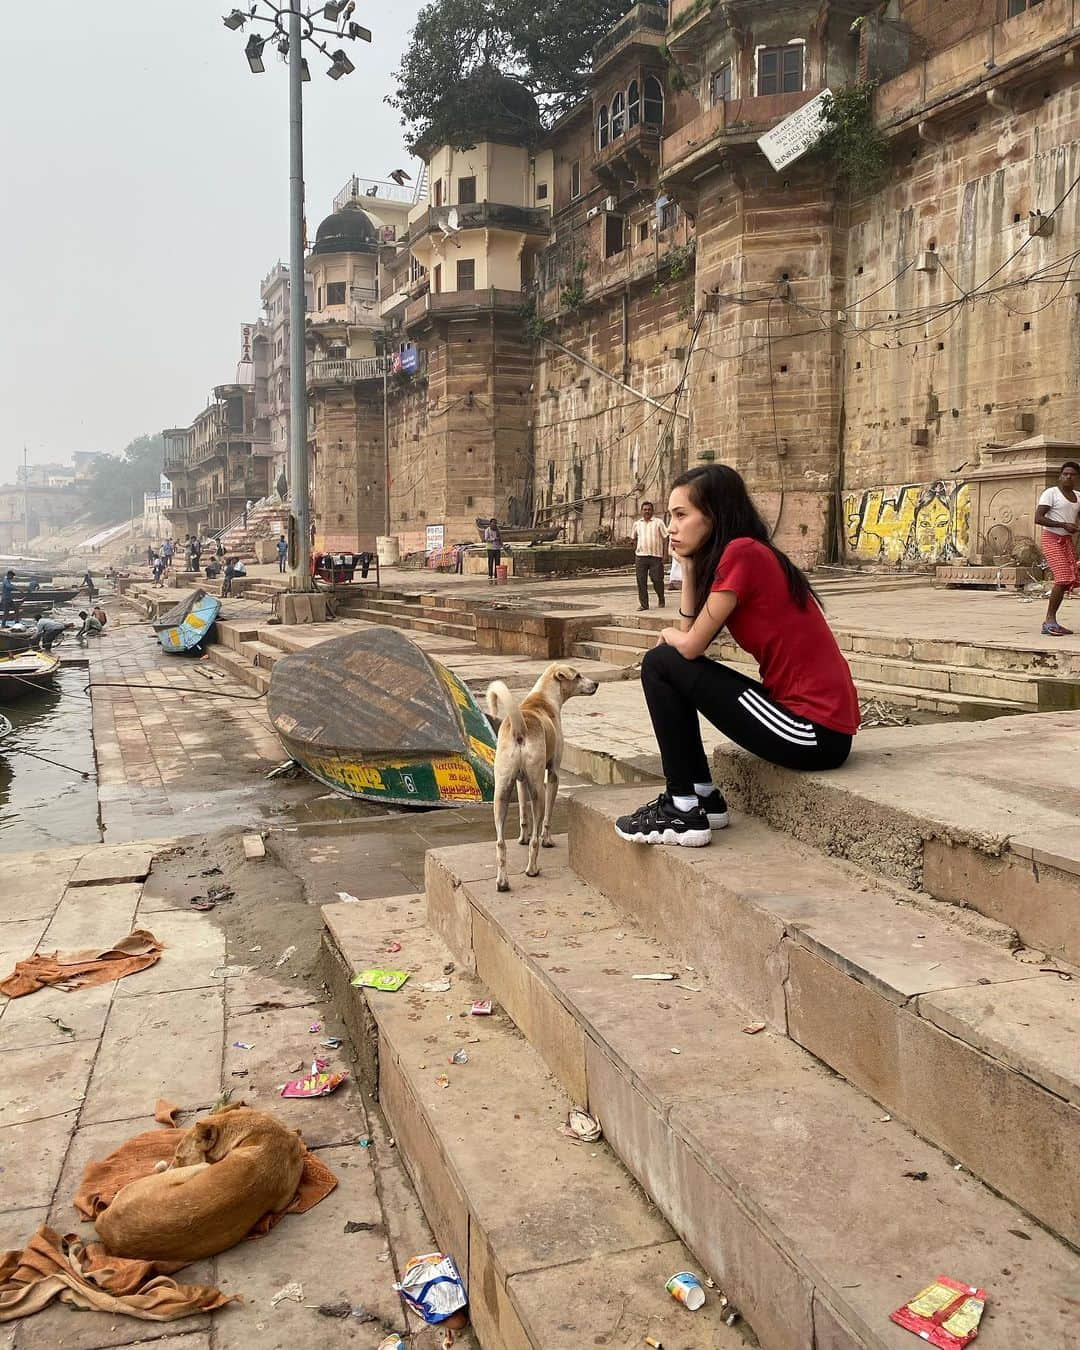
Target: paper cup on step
(686,1289)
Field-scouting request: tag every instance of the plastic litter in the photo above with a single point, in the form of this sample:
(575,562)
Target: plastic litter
(315,1028)
(288,1293)
(393,946)
(432,1287)
(753,1028)
(386,981)
(393,1342)
(945,1313)
(286,955)
(656,975)
(685,1288)
(435,986)
(348,899)
(243,1045)
(319,1084)
(364,1141)
(360,1226)
(582,1126)
(332,1042)
(481,1008)
(459,1057)
(344,1309)
(442,1081)
(675,1050)
(230,972)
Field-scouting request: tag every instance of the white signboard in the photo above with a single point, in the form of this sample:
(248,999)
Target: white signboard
(434,537)
(792,137)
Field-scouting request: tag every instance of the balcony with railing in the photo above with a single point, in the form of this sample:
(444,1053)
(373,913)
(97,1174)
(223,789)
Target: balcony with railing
(644,25)
(481,216)
(371,189)
(347,370)
(361,307)
(464,302)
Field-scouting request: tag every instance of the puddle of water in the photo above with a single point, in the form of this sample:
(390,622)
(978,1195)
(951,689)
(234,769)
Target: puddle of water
(42,806)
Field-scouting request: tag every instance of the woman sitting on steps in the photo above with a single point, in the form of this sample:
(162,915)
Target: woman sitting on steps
(804,712)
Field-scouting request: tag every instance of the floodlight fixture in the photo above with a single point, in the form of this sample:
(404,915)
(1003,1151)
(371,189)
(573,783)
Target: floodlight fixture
(332,9)
(234,19)
(341,65)
(253,51)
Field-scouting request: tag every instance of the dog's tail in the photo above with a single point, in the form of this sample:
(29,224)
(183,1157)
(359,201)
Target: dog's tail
(501,703)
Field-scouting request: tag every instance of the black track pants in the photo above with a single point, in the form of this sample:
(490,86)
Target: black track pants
(676,690)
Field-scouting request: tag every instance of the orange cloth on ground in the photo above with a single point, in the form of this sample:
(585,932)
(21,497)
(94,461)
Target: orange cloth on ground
(79,970)
(86,1276)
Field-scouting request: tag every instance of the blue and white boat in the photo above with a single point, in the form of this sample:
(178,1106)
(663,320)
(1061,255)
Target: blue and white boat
(185,627)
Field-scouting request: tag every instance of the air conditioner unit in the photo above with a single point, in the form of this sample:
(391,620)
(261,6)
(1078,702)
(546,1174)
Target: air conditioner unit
(609,203)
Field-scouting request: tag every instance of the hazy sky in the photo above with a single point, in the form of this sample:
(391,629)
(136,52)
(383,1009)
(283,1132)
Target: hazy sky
(146,195)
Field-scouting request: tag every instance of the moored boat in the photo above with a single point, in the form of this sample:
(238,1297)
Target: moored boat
(372,716)
(54,595)
(15,639)
(22,672)
(184,627)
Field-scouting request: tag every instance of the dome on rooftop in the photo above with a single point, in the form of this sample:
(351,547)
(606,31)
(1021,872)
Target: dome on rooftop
(350,230)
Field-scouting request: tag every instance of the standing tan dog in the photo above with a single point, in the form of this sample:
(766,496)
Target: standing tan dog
(528,753)
(228,1170)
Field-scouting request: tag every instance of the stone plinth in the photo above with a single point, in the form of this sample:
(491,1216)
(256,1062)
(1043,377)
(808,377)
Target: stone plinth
(1005,490)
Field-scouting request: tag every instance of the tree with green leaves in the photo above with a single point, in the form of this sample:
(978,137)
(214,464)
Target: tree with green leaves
(453,81)
(119,480)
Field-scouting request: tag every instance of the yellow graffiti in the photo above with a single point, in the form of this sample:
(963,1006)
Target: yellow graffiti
(358,777)
(456,781)
(918,522)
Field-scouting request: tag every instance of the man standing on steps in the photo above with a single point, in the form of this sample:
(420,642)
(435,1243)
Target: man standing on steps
(283,553)
(650,546)
(1058,513)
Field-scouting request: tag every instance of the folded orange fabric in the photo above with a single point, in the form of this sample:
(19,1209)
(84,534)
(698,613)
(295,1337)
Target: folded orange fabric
(80,970)
(84,1275)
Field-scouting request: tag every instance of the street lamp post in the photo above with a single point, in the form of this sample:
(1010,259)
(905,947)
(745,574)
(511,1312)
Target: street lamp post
(290,27)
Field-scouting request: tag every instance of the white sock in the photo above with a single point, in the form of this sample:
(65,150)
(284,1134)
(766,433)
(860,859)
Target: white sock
(684,804)
(705,789)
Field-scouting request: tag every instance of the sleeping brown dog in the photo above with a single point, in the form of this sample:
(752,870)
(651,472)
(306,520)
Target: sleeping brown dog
(229,1170)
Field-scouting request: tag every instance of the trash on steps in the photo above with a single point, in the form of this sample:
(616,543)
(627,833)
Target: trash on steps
(945,1313)
(80,970)
(432,1287)
(254,848)
(481,1008)
(286,955)
(459,1057)
(436,986)
(392,1342)
(348,899)
(386,981)
(317,1084)
(753,1028)
(687,1289)
(582,1126)
(656,975)
(915,1176)
(291,1293)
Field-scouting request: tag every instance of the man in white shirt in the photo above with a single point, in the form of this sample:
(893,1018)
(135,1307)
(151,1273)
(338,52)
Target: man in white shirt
(650,545)
(1058,512)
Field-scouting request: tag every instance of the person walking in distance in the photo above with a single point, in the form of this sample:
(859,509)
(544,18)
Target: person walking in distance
(804,711)
(7,596)
(282,553)
(493,539)
(1058,513)
(650,544)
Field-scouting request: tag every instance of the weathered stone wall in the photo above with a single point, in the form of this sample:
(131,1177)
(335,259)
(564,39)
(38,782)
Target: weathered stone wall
(347,466)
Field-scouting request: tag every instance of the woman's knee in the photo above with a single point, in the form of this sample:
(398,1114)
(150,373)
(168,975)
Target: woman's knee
(662,662)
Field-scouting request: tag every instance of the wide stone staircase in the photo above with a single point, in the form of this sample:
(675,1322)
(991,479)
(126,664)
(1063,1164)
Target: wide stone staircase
(423,613)
(839,1088)
(961,679)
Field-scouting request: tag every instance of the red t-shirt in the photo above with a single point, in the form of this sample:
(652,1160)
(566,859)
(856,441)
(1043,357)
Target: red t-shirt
(800,663)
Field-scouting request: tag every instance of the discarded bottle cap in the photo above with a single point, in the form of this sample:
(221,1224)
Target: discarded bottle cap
(686,1288)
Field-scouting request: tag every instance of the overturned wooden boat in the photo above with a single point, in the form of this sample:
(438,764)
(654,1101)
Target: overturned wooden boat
(184,627)
(23,672)
(373,716)
(53,595)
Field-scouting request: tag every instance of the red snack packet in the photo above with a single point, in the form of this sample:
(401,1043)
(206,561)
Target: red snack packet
(318,1084)
(945,1313)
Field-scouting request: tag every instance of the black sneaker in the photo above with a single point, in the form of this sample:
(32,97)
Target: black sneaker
(661,822)
(715,808)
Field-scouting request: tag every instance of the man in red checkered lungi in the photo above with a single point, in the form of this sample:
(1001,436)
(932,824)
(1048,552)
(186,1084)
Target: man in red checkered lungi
(1058,512)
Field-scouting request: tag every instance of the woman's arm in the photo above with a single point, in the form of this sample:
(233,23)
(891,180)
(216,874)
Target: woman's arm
(694,638)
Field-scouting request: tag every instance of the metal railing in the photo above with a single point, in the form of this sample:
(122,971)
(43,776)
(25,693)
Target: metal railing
(347,369)
(648,14)
(357,189)
(480,215)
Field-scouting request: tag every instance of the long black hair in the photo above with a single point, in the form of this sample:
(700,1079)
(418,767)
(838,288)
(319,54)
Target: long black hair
(720,494)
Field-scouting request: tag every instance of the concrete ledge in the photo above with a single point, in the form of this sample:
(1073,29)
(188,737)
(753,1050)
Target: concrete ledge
(554,1241)
(783,1178)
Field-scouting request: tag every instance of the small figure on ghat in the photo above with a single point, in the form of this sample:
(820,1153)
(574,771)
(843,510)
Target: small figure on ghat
(1057,514)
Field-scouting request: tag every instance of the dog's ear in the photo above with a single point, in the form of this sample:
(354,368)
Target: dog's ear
(207,1133)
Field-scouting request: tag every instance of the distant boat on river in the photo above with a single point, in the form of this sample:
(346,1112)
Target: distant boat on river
(373,716)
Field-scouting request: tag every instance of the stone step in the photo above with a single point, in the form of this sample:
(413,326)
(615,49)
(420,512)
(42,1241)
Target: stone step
(239,666)
(785,1180)
(408,609)
(966,707)
(555,1242)
(261,654)
(399,619)
(233,633)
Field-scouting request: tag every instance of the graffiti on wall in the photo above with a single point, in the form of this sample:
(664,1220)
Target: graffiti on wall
(918,522)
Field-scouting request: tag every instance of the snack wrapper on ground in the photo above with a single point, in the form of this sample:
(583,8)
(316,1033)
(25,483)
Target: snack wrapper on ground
(945,1313)
(432,1286)
(317,1084)
(388,981)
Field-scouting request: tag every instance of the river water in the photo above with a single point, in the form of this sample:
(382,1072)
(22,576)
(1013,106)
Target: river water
(42,805)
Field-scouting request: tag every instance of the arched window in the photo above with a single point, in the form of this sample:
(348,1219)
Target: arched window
(654,102)
(618,116)
(633,104)
(602,126)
